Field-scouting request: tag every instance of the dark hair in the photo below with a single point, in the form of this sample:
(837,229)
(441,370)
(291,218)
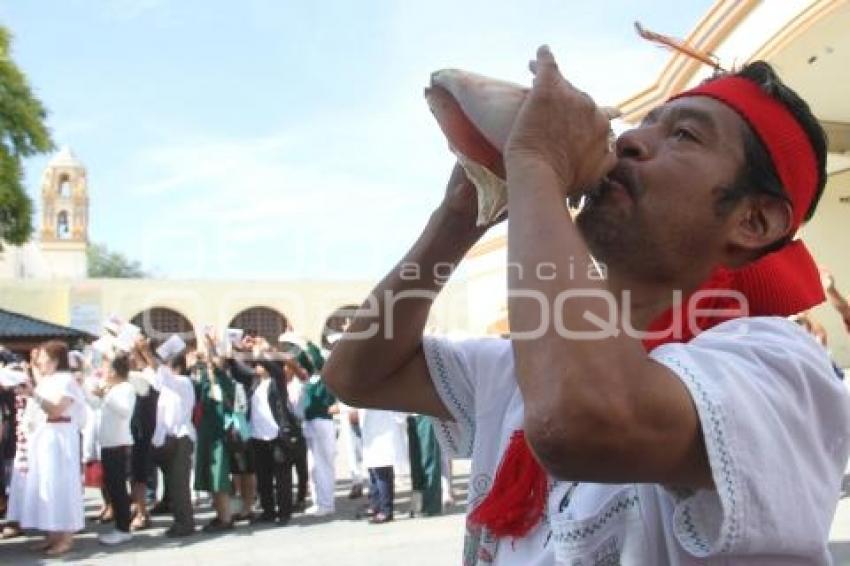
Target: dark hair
(8,357)
(57,351)
(121,365)
(178,364)
(759,175)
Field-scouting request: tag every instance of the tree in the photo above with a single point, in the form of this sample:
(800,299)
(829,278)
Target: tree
(106,264)
(22,134)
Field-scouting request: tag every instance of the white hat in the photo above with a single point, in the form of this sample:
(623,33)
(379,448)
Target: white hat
(333,337)
(113,324)
(290,337)
(12,377)
(233,335)
(127,335)
(105,345)
(171,348)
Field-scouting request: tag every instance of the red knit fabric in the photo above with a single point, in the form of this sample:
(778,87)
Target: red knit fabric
(781,283)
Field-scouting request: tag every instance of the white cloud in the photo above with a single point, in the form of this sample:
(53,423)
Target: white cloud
(370,174)
(372,177)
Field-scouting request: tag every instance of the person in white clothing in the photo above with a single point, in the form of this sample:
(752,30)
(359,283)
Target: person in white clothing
(90,439)
(352,438)
(295,376)
(26,421)
(384,454)
(269,413)
(319,405)
(653,404)
(174,435)
(53,493)
(116,399)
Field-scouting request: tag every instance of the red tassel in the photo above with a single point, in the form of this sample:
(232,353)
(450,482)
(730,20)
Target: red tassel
(517,498)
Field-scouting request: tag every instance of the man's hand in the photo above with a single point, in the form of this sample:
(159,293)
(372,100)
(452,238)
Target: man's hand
(561,129)
(192,358)
(99,390)
(461,201)
(827,279)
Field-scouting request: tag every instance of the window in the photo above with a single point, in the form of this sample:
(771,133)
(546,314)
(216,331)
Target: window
(160,323)
(265,322)
(65,187)
(63,226)
(338,322)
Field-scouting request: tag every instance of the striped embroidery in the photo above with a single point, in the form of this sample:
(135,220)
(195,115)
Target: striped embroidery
(445,385)
(713,425)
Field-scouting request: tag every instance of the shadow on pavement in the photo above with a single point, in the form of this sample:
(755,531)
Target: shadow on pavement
(17,550)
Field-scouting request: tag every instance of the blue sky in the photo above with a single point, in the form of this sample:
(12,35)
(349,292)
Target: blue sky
(281,139)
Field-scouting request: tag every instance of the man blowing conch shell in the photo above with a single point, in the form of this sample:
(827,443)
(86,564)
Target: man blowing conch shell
(667,413)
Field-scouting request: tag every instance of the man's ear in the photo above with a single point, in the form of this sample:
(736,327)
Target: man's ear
(760,221)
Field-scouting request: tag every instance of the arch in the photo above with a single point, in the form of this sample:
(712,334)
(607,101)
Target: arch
(63,189)
(264,321)
(337,322)
(63,226)
(159,323)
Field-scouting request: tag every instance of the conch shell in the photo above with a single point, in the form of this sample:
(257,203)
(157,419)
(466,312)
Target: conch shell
(476,114)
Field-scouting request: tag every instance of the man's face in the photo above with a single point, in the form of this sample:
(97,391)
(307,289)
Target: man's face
(658,220)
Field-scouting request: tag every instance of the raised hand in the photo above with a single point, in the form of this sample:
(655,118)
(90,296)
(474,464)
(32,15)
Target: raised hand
(560,128)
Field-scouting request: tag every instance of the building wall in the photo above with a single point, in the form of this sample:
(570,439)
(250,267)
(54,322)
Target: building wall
(306,304)
(63,260)
(828,238)
(44,260)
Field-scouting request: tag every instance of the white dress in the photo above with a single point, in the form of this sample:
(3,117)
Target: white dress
(53,489)
(30,419)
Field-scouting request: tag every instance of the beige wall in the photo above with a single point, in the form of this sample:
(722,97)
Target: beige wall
(46,300)
(828,237)
(305,303)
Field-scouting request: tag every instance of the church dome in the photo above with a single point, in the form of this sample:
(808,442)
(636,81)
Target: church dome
(65,158)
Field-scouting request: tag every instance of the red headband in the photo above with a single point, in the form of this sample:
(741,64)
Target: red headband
(786,142)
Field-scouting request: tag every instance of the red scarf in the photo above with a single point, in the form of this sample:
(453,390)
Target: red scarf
(781,283)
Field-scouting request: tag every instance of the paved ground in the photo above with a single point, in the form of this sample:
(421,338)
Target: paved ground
(339,541)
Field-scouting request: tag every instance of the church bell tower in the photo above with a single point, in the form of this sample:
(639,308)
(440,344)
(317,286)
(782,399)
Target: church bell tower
(65,216)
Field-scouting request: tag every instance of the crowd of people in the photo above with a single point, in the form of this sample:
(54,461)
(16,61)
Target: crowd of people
(232,417)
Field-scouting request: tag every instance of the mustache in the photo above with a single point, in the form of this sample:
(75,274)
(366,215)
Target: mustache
(623,174)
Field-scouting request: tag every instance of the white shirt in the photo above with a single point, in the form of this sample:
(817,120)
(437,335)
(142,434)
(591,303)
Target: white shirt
(263,425)
(294,389)
(141,384)
(116,410)
(775,418)
(174,406)
(384,439)
(54,388)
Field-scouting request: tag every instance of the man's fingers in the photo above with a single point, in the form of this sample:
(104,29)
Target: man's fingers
(545,57)
(611,112)
(606,165)
(544,67)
